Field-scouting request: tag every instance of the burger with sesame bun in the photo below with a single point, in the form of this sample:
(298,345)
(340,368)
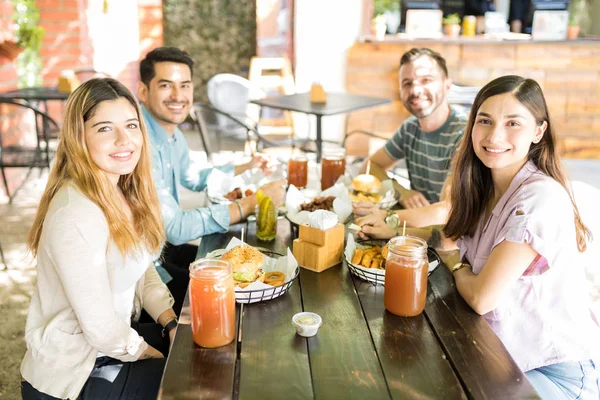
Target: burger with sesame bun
(246,263)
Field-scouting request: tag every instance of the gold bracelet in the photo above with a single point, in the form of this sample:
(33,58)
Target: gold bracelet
(458,266)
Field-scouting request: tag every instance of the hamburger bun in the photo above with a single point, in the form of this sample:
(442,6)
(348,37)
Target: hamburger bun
(245,264)
(366,183)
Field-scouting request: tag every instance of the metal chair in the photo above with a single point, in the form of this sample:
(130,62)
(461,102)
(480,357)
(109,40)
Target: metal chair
(231,116)
(38,155)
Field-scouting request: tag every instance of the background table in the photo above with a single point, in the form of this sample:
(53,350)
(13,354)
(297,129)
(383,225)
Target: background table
(360,352)
(36,94)
(337,103)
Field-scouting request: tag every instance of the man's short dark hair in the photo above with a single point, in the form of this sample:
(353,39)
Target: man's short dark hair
(415,53)
(163,54)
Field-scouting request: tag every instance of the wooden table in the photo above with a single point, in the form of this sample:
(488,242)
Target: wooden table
(337,103)
(360,352)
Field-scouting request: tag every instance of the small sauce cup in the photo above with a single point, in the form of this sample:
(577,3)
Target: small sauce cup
(307,323)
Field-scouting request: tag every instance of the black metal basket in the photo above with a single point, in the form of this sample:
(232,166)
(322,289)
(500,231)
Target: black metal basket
(256,296)
(377,276)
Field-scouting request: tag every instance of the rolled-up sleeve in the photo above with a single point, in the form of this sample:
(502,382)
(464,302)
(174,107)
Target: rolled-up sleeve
(156,298)
(182,226)
(77,244)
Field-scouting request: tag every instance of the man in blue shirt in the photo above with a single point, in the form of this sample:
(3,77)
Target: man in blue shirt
(166,93)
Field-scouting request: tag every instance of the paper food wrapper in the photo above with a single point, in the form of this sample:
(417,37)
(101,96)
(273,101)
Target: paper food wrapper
(351,247)
(219,183)
(342,205)
(322,219)
(286,264)
(387,192)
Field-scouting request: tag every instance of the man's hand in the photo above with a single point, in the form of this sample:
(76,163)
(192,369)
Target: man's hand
(413,199)
(276,191)
(259,160)
(366,208)
(375,227)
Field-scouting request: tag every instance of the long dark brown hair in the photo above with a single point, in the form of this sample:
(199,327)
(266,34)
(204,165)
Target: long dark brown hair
(472,186)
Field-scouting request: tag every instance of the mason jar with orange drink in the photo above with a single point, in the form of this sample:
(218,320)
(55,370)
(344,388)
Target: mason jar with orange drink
(333,165)
(212,303)
(406,271)
(298,170)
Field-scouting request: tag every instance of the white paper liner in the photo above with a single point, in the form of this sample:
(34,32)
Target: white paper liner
(286,264)
(351,247)
(219,183)
(342,205)
(389,195)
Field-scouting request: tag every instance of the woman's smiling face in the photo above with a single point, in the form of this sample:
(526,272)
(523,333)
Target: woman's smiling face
(503,132)
(114,138)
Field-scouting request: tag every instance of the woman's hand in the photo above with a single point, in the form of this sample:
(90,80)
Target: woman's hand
(151,352)
(366,208)
(375,227)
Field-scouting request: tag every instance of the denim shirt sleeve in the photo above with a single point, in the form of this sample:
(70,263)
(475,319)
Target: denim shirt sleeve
(191,175)
(182,226)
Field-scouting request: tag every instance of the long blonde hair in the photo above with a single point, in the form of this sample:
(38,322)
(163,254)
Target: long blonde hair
(74,163)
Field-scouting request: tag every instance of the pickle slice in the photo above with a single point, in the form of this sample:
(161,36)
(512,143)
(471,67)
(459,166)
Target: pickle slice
(266,220)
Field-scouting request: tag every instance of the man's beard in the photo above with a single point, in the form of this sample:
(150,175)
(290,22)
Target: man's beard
(421,112)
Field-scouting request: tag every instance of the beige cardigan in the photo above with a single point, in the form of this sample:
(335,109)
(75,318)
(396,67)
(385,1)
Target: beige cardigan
(71,316)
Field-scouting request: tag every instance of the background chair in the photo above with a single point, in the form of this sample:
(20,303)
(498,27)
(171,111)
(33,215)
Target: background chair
(231,117)
(463,96)
(36,155)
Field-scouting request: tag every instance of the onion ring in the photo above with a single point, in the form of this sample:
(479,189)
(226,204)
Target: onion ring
(274,276)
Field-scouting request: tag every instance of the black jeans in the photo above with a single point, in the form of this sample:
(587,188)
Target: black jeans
(177,260)
(114,379)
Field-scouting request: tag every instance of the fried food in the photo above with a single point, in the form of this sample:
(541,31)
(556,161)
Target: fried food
(319,203)
(275,283)
(234,194)
(274,276)
(248,193)
(370,257)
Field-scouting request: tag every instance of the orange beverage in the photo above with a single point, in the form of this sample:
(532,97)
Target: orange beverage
(333,165)
(406,272)
(212,303)
(298,171)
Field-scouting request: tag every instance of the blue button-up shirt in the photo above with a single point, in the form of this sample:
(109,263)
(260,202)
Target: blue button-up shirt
(171,164)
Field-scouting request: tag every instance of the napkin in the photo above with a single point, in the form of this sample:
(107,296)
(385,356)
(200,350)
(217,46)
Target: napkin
(219,183)
(322,219)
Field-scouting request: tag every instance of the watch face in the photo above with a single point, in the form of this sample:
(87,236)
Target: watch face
(392,220)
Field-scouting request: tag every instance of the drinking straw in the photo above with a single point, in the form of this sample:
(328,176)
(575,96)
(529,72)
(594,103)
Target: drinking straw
(404,228)
(368,166)
(242,235)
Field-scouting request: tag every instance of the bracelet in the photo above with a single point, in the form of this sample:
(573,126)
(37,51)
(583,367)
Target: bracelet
(239,204)
(458,266)
(169,326)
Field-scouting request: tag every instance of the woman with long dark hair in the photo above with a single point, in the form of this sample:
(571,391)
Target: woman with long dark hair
(521,240)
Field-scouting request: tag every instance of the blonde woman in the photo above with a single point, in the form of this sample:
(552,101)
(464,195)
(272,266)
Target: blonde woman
(97,230)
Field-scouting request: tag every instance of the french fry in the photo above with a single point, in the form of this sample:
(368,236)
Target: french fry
(358,255)
(376,263)
(367,258)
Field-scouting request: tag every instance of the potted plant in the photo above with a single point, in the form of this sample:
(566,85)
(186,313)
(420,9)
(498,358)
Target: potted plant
(578,12)
(451,25)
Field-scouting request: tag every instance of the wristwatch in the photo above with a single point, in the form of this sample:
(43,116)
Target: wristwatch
(458,266)
(172,324)
(392,220)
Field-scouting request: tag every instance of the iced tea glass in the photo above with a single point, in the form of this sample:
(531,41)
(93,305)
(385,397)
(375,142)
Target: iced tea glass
(298,170)
(333,165)
(406,271)
(212,303)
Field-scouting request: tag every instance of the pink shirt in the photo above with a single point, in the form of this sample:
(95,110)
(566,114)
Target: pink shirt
(545,316)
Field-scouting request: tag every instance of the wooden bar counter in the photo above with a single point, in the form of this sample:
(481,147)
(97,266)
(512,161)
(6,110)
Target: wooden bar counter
(568,71)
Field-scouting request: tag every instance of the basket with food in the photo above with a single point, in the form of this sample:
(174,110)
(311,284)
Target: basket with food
(222,188)
(369,188)
(366,259)
(334,199)
(259,274)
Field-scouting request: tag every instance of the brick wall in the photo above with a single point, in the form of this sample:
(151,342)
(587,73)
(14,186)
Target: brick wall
(68,44)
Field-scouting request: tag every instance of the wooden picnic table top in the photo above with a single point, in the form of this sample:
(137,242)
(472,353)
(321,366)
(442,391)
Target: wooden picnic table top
(361,351)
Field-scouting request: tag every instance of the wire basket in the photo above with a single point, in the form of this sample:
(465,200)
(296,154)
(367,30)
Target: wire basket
(376,276)
(243,296)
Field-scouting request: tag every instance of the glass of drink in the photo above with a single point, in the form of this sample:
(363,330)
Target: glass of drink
(212,303)
(298,170)
(333,165)
(406,271)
